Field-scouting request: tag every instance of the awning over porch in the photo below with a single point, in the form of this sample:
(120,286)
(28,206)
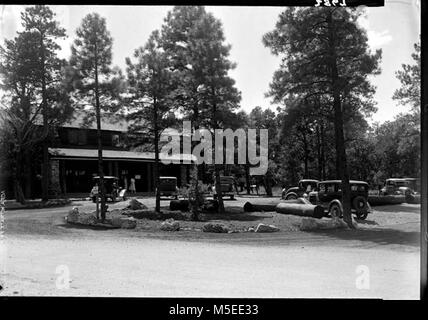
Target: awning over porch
(92,154)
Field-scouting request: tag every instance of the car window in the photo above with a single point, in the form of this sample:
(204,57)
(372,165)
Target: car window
(331,188)
(321,187)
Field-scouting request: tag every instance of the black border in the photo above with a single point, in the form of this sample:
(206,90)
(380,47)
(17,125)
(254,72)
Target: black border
(269,308)
(276,3)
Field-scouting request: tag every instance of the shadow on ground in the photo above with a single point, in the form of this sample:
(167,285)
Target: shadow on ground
(410,208)
(380,236)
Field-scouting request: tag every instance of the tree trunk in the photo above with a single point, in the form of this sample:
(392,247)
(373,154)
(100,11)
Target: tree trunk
(100,144)
(338,129)
(306,155)
(156,167)
(19,194)
(194,173)
(268,184)
(27,174)
(323,169)
(216,167)
(319,152)
(45,144)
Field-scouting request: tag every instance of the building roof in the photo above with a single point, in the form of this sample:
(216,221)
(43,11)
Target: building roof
(92,154)
(340,181)
(108,122)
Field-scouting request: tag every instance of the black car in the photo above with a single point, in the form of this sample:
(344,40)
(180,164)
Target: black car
(304,186)
(329,195)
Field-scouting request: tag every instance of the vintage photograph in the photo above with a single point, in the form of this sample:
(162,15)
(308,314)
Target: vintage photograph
(211,151)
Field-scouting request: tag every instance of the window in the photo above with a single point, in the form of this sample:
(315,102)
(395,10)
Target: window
(115,140)
(330,188)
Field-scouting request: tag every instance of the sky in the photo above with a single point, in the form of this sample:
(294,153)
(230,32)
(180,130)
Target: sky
(393,28)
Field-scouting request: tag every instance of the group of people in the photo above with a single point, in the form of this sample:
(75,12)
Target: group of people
(131,188)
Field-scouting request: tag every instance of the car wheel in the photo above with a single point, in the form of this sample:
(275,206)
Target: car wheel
(360,205)
(335,211)
(291,197)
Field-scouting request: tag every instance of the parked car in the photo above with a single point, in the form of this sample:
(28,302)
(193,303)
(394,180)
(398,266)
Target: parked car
(329,195)
(112,189)
(414,184)
(168,187)
(396,186)
(304,187)
(227,187)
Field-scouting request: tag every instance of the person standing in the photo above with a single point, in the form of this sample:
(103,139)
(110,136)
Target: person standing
(132,186)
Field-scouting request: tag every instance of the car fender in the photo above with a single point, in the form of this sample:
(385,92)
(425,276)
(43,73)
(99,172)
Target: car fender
(291,193)
(333,202)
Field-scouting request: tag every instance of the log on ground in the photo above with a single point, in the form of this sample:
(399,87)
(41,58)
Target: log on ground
(269,204)
(305,210)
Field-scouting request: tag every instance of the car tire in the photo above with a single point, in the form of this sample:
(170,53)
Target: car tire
(335,210)
(291,197)
(360,205)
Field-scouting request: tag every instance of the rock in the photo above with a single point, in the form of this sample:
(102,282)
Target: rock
(88,220)
(266,228)
(215,227)
(313,224)
(129,223)
(134,204)
(73,215)
(124,223)
(170,225)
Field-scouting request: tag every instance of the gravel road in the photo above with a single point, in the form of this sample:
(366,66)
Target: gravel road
(379,263)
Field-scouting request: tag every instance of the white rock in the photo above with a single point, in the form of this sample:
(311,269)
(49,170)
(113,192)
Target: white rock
(266,228)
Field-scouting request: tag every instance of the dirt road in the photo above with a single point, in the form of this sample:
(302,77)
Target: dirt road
(365,263)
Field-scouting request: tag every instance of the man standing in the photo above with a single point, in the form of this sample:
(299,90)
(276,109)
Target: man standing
(132,186)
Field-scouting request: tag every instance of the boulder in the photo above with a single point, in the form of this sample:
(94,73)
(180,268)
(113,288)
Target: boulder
(124,223)
(215,227)
(73,215)
(87,220)
(308,224)
(266,228)
(170,225)
(134,204)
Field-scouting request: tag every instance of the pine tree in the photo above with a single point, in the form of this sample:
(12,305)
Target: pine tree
(326,55)
(91,58)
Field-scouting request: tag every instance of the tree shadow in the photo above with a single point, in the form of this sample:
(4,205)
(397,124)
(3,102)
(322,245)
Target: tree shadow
(85,226)
(237,216)
(368,222)
(395,208)
(381,236)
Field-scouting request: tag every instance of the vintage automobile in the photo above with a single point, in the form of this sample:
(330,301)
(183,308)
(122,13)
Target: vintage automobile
(227,187)
(396,186)
(168,187)
(329,195)
(414,184)
(304,187)
(112,189)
